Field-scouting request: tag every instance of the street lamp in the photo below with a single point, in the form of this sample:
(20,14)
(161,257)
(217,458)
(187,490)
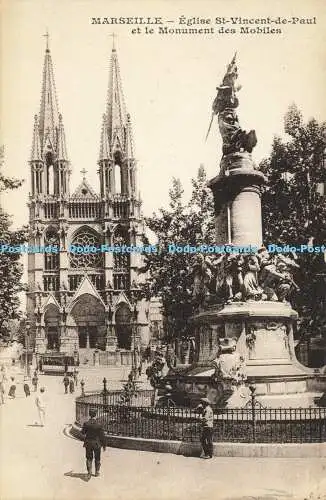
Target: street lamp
(134,326)
(27,336)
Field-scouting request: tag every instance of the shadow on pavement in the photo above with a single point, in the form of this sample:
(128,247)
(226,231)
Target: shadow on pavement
(273,495)
(78,475)
(34,425)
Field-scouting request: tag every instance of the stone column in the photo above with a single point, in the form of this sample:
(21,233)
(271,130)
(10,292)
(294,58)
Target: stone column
(237,193)
(246,217)
(111,339)
(108,258)
(64,257)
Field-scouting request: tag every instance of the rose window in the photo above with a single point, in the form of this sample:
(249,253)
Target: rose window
(85,251)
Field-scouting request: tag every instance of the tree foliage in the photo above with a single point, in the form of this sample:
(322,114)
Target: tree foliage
(169,274)
(11,269)
(294,208)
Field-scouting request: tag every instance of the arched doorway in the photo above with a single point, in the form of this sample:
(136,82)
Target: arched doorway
(123,326)
(52,322)
(89,316)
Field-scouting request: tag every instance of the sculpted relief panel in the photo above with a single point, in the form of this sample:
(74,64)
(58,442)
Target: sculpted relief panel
(267,340)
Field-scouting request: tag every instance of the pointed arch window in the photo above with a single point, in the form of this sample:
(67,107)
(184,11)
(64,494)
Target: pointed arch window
(52,260)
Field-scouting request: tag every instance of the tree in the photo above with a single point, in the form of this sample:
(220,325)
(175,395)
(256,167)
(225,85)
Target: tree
(294,210)
(11,270)
(169,273)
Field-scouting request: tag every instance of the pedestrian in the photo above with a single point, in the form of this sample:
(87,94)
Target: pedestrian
(66,383)
(26,389)
(140,367)
(71,385)
(94,440)
(12,389)
(207,429)
(35,381)
(2,391)
(76,376)
(40,405)
(3,374)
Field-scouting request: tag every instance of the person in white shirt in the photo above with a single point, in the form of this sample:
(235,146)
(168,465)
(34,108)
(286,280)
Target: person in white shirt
(40,404)
(207,428)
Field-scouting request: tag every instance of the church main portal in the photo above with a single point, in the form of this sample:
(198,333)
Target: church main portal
(88,315)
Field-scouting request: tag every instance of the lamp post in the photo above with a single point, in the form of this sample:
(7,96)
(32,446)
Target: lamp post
(27,336)
(134,326)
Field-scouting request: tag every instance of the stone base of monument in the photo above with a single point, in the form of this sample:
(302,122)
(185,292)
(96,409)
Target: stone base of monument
(263,332)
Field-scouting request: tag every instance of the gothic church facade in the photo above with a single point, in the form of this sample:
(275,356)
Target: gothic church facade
(80,302)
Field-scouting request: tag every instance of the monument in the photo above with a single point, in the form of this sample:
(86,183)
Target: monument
(244,325)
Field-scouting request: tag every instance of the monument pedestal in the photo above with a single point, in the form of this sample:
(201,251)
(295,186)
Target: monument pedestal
(263,333)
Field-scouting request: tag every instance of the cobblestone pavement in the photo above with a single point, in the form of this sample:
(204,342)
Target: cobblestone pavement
(46,464)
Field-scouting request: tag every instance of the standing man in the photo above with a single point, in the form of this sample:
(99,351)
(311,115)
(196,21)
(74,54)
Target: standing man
(76,376)
(26,388)
(12,389)
(66,382)
(40,405)
(207,429)
(2,391)
(71,384)
(35,381)
(94,439)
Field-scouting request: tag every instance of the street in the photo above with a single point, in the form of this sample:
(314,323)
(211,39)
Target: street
(46,463)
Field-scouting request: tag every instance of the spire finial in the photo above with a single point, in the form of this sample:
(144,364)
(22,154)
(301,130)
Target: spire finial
(113,41)
(47,36)
(84,172)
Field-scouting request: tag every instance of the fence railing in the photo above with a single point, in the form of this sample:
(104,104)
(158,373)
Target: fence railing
(250,425)
(142,397)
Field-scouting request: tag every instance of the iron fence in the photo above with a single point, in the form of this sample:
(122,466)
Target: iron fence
(249,425)
(142,397)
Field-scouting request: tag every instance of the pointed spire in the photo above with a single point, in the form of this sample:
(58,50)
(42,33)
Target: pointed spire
(129,139)
(49,134)
(49,111)
(36,145)
(117,126)
(104,147)
(61,144)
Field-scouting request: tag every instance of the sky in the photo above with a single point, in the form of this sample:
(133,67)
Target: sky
(169,82)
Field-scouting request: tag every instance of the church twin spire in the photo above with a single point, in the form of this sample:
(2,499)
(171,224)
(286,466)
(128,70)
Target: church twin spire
(49,136)
(116,136)
(116,159)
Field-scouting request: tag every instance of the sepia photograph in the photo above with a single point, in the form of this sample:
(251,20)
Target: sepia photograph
(163,250)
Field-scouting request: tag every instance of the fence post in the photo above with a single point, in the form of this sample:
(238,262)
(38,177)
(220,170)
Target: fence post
(82,386)
(253,411)
(105,392)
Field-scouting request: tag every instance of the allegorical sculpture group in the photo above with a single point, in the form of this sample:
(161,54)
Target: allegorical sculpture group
(238,277)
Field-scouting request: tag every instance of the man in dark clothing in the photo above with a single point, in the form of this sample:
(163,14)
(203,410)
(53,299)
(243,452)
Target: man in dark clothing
(93,441)
(66,383)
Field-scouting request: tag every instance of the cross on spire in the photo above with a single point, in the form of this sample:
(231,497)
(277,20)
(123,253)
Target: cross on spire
(114,36)
(84,172)
(47,36)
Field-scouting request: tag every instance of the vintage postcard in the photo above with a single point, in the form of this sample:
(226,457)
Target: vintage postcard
(163,250)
